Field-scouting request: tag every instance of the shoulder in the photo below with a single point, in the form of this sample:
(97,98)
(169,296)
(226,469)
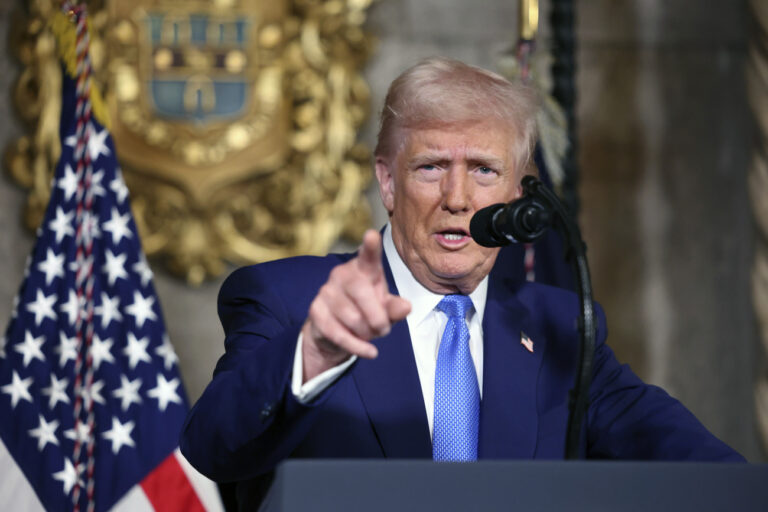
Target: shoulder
(297,268)
(281,289)
(296,273)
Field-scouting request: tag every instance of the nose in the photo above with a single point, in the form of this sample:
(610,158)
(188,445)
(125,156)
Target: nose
(456,190)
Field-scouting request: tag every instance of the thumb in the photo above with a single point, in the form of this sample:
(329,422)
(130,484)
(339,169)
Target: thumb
(397,308)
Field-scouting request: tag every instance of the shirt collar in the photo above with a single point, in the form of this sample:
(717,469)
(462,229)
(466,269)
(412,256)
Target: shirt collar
(423,301)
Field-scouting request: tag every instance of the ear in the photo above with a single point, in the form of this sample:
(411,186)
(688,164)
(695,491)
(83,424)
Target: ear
(385,175)
(518,191)
(532,170)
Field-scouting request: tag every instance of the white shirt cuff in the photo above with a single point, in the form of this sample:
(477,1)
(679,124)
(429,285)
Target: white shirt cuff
(305,393)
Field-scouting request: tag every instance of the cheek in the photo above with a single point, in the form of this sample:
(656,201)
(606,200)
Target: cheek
(415,202)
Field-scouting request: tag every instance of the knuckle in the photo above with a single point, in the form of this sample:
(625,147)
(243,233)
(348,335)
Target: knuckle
(338,274)
(315,310)
(382,324)
(376,317)
(328,293)
(354,320)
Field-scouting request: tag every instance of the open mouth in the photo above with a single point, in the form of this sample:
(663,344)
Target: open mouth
(453,236)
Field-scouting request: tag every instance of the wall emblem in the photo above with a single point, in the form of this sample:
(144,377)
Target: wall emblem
(235,123)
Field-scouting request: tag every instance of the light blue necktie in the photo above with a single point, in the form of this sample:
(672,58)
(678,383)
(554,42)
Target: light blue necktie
(457,395)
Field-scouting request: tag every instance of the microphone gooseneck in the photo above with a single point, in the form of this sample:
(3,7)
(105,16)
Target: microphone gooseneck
(525,220)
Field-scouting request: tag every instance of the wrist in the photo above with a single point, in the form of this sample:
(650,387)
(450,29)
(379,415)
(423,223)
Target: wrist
(318,354)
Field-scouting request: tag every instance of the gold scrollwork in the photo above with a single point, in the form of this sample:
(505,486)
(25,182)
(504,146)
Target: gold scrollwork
(283,177)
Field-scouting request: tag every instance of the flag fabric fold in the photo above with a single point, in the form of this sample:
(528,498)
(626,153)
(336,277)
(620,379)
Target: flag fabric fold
(91,399)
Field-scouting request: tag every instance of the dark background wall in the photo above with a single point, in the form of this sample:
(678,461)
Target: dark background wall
(664,139)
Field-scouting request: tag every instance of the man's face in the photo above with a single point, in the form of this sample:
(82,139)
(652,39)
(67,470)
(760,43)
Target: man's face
(431,188)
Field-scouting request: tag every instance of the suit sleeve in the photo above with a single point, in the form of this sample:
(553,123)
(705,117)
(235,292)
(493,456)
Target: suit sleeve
(629,419)
(247,419)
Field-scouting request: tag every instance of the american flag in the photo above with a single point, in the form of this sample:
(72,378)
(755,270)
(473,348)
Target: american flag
(91,400)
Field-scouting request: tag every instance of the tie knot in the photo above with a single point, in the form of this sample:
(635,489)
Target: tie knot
(455,305)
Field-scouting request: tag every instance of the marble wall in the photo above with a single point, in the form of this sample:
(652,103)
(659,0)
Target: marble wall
(664,138)
(665,141)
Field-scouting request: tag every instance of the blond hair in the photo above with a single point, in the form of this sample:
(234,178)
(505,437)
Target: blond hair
(441,91)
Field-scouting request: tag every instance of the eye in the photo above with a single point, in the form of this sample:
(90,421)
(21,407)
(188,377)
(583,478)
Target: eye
(486,175)
(485,171)
(427,167)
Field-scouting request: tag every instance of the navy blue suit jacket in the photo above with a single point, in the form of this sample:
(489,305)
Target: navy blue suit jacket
(247,420)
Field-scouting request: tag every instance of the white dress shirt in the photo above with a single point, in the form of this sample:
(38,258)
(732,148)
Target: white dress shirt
(425,323)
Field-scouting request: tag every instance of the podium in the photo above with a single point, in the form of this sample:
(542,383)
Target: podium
(404,485)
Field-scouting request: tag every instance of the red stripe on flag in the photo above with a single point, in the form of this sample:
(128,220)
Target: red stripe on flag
(168,488)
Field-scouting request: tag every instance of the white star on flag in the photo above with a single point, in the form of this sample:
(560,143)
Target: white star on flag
(30,348)
(165,392)
(42,307)
(68,476)
(18,389)
(94,393)
(62,224)
(120,435)
(118,226)
(96,187)
(128,392)
(81,265)
(45,433)
(72,307)
(52,267)
(96,142)
(136,350)
(67,349)
(101,350)
(68,183)
(114,267)
(167,353)
(108,310)
(57,391)
(80,433)
(117,186)
(141,309)
(141,267)
(90,227)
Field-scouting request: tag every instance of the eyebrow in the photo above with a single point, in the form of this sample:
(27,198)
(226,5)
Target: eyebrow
(445,156)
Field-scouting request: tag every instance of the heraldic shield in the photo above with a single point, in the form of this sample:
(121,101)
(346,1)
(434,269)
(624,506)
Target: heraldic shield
(235,123)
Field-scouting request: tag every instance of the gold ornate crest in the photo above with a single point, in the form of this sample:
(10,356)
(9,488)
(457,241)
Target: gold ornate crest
(235,122)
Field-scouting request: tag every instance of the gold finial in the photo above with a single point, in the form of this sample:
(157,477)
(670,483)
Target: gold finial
(529,19)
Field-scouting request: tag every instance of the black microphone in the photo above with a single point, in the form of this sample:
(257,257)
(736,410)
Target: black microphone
(523,220)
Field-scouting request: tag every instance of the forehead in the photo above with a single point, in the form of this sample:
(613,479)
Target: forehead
(478,140)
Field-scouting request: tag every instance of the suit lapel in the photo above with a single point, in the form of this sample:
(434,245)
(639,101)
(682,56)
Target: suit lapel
(508,412)
(391,391)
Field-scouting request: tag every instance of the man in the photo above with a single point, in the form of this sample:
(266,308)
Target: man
(318,360)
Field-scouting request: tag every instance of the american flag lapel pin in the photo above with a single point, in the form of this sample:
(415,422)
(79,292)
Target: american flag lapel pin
(526,342)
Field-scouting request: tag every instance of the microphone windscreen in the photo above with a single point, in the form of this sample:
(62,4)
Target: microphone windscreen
(481,227)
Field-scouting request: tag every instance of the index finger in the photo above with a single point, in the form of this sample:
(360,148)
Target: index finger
(369,256)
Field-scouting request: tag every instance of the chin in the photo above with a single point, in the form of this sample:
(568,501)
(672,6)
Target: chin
(453,268)
(463,267)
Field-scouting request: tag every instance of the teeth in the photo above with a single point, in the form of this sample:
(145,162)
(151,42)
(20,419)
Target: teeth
(453,236)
